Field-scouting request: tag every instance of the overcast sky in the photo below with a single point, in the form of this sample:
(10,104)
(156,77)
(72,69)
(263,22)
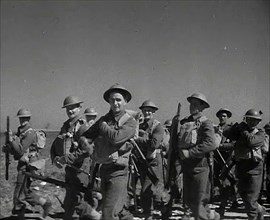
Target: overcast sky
(159,50)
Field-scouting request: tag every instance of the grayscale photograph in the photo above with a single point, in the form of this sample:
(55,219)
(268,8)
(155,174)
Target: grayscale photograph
(135,110)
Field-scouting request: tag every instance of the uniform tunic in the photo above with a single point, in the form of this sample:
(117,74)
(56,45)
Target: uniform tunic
(196,186)
(149,141)
(78,158)
(26,141)
(249,171)
(113,139)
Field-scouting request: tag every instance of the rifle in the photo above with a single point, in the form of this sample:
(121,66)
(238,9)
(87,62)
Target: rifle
(226,173)
(7,162)
(56,182)
(172,146)
(150,173)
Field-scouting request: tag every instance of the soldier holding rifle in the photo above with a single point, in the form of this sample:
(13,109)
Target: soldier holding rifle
(249,161)
(223,157)
(66,150)
(23,146)
(196,139)
(150,138)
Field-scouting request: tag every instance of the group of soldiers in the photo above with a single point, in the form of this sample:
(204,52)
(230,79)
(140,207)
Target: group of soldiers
(184,159)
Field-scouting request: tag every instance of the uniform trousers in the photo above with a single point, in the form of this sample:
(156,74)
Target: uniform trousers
(114,182)
(249,175)
(196,186)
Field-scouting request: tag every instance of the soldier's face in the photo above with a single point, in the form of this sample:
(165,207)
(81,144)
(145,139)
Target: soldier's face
(148,113)
(117,102)
(223,117)
(252,122)
(73,111)
(196,106)
(90,118)
(24,120)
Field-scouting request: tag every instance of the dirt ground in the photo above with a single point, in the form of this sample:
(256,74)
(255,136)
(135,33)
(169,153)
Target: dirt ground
(54,193)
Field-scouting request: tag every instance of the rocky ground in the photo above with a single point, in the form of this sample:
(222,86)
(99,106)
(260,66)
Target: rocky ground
(56,194)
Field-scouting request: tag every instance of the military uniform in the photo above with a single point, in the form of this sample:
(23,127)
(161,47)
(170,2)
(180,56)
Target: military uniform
(149,141)
(249,169)
(24,148)
(194,148)
(111,135)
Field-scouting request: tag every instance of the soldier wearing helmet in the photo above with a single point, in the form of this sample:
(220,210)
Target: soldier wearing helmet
(111,134)
(90,116)
(24,149)
(227,186)
(150,138)
(196,140)
(249,161)
(66,151)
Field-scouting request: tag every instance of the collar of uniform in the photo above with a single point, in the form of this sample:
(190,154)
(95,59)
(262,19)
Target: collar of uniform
(196,116)
(74,120)
(116,116)
(24,127)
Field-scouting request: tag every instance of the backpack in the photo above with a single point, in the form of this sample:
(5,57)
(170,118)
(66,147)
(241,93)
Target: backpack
(41,139)
(188,134)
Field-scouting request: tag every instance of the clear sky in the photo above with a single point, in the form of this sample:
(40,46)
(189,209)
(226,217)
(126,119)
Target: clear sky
(159,50)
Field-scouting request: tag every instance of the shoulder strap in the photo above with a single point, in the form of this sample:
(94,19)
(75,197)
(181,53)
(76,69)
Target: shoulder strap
(124,119)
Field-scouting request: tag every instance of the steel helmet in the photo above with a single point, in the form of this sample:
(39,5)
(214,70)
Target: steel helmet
(90,111)
(117,88)
(252,113)
(71,100)
(148,103)
(168,123)
(199,96)
(23,112)
(224,110)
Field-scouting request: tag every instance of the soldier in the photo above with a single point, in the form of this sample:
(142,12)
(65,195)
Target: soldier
(90,116)
(267,162)
(249,161)
(150,139)
(196,141)
(223,157)
(23,146)
(65,150)
(111,135)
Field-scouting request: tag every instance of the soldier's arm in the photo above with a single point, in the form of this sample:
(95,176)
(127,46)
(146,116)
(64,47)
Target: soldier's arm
(157,137)
(254,140)
(25,142)
(207,143)
(121,135)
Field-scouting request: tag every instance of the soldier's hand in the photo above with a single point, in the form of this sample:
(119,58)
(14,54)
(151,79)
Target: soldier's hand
(5,148)
(59,161)
(69,135)
(184,154)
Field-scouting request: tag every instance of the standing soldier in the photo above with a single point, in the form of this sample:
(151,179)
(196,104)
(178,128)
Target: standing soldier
(90,116)
(223,156)
(111,135)
(65,150)
(23,146)
(196,141)
(267,162)
(249,161)
(149,141)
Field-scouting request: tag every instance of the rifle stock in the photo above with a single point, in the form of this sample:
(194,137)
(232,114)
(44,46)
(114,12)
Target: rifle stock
(7,162)
(173,145)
